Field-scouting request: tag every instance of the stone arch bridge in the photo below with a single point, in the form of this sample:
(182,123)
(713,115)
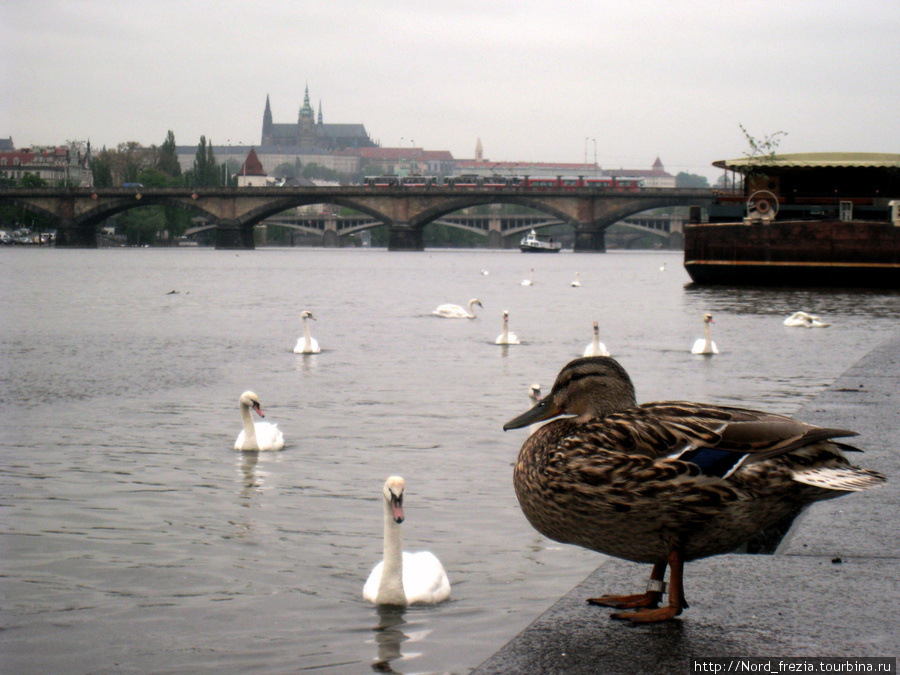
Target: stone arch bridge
(404,210)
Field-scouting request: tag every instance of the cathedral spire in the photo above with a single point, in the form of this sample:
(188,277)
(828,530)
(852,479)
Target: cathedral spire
(306,110)
(320,112)
(267,136)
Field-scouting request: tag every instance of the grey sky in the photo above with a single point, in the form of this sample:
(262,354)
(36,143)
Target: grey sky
(533,79)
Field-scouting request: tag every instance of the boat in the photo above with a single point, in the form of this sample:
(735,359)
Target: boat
(811,219)
(538,243)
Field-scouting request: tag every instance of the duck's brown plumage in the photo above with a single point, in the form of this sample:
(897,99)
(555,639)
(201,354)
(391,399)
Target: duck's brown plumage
(671,481)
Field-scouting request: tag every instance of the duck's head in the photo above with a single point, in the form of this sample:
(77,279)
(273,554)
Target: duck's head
(251,400)
(393,495)
(306,314)
(588,388)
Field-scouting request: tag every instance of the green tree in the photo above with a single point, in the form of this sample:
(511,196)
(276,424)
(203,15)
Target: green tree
(167,159)
(102,170)
(205,173)
(32,180)
(690,180)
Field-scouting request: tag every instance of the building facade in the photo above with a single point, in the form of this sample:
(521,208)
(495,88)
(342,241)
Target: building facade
(59,166)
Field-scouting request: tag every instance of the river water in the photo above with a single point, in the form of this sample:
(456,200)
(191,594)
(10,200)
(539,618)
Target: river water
(135,539)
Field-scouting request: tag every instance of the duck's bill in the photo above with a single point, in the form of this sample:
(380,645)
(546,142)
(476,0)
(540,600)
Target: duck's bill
(542,411)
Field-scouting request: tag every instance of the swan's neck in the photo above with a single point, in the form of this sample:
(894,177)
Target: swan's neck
(390,590)
(471,309)
(505,333)
(706,333)
(306,334)
(249,428)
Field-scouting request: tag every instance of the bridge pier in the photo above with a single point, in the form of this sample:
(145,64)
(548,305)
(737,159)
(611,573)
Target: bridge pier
(405,238)
(230,235)
(590,241)
(330,238)
(72,236)
(495,239)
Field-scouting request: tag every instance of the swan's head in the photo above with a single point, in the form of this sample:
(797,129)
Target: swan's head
(589,388)
(251,400)
(306,314)
(534,392)
(476,301)
(505,315)
(596,328)
(707,318)
(393,495)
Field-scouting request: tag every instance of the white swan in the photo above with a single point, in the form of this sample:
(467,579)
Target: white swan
(705,345)
(663,268)
(596,348)
(306,344)
(259,435)
(403,578)
(485,272)
(506,338)
(457,312)
(530,280)
(577,281)
(804,320)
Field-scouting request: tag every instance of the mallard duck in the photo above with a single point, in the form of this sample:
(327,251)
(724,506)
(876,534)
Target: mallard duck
(667,482)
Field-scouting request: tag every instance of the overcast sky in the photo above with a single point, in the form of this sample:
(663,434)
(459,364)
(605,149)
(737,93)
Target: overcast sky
(532,79)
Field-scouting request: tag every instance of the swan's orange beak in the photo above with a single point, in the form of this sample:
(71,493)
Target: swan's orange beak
(397,508)
(258,409)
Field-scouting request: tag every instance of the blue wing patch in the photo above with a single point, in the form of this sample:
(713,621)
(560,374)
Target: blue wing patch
(713,462)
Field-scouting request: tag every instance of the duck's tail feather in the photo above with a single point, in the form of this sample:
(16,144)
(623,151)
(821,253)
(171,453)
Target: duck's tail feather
(850,479)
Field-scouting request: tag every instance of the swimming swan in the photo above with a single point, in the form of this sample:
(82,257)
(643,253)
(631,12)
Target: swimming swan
(530,280)
(596,348)
(259,435)
(804,320)
(457,312)
(403,578)
(307,344)
(577,281)
(506,338)
(705,345)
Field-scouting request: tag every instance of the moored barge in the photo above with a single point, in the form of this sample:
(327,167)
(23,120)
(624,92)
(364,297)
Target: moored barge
(818,219)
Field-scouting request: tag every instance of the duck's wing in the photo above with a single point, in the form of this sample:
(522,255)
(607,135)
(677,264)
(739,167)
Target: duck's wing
(716,439)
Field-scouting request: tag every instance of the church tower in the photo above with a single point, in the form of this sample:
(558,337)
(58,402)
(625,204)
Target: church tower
(479,152)
(306,120)
(320,113)
(268,136)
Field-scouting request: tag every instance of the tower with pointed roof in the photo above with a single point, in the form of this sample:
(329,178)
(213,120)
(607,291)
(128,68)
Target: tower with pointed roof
(268,135)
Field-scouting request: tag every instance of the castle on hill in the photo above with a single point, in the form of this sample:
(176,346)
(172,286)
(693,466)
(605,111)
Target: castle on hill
(310,135)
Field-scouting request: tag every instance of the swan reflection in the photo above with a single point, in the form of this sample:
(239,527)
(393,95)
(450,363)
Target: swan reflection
(388,637)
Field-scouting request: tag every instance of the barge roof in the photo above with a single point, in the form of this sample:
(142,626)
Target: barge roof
(808,160)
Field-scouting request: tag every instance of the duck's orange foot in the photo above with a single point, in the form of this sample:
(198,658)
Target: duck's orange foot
(648,615)
(648,599)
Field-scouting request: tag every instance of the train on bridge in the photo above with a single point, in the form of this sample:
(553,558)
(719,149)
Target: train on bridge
(556,183)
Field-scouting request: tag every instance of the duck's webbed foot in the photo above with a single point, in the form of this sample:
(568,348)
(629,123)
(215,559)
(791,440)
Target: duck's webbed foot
(649,615)
(648,599)
(646,604)
(655,588)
